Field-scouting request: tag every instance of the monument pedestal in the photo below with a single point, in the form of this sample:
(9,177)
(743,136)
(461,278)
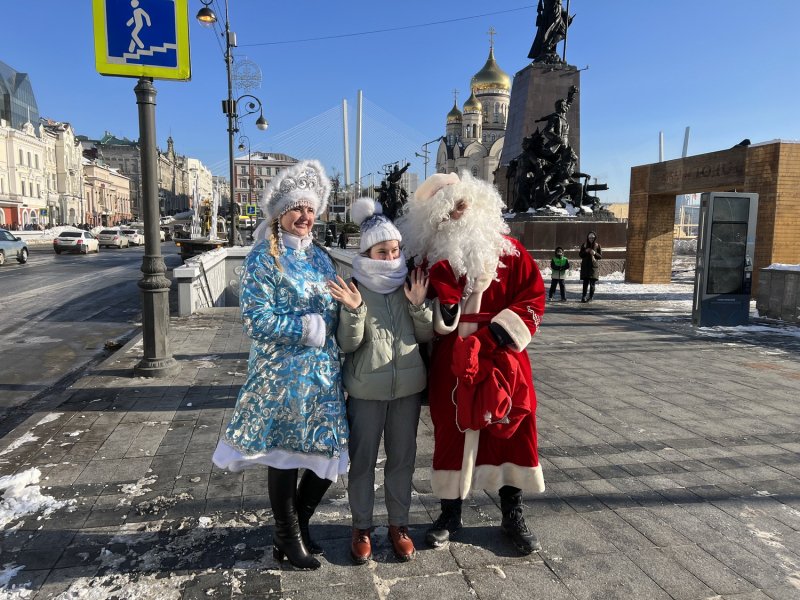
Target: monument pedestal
(533,96)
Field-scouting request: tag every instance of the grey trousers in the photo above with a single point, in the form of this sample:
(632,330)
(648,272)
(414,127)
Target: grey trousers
(397,421)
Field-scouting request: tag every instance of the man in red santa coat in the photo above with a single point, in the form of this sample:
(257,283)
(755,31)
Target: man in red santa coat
(489,301)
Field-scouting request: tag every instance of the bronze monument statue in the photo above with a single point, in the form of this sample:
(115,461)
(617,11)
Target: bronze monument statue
(391,194)
(545,175)
(552,22)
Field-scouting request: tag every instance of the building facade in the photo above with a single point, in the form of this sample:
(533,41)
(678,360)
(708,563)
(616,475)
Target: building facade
(473,139)
(175,180)
(24,193)
(17,101)
(253,172)
(107,195)
(66,176)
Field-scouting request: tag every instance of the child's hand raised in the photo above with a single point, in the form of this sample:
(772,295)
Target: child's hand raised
(346,293)
(417,291)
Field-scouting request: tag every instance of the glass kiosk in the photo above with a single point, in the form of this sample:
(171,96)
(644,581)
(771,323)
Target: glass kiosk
(725,249)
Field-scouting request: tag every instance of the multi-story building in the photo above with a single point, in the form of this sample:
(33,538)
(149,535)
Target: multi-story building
(107,194)
(220,183)
(254,171)
(24,193)
(17,101)
(175,182)
(66,176)
(202,175)
(473,139)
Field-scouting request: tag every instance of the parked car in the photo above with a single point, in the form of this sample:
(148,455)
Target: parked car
(112,237)
(135,238)
(76,241)
(12,247)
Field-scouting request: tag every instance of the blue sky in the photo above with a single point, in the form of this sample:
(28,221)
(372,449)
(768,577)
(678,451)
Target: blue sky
(725,68)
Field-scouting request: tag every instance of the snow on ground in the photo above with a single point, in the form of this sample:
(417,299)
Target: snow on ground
(21,497)
(24,439)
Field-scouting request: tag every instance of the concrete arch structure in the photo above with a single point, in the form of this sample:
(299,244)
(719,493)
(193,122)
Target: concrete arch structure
(770,169)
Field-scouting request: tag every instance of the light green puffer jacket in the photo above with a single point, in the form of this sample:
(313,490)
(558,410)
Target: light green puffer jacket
(379,338)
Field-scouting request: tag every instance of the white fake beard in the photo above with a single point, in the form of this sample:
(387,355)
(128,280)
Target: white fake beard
(472,245)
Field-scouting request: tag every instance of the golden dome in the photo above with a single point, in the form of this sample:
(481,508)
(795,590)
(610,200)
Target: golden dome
(454,116)
(491,76)
(472,105)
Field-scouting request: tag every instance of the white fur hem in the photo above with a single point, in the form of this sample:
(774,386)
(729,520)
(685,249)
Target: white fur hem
(231,459)
(439,326)
(447,484)
(513,324)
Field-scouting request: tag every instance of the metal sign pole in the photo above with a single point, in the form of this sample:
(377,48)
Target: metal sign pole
(157,360)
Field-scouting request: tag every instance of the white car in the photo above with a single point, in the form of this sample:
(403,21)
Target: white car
(112,237)
(134,237)
(76,241)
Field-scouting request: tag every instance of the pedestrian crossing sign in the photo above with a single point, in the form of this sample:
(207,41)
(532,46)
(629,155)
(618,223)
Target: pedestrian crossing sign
(142,38)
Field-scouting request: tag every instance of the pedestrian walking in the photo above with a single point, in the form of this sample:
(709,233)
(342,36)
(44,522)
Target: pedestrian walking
(489,301)
(590,254)
(342,240)
(290,413)
(559,265)
(382,319)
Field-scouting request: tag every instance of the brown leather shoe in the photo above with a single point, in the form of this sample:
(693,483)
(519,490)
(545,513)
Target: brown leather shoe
(402,544)
(360,546)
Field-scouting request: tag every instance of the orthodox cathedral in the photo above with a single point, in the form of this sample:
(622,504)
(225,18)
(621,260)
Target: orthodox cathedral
(473,139)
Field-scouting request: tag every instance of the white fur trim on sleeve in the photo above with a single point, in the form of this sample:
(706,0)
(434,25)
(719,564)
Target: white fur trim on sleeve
(439,326)
(313,330)
(515,327)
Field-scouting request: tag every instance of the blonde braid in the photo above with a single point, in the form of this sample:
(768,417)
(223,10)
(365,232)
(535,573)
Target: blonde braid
(273,245)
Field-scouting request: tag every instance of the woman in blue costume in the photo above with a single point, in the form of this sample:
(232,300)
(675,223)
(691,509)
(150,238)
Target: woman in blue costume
(290,413)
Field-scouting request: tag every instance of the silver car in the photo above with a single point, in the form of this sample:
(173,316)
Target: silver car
(112,237)
(12,247)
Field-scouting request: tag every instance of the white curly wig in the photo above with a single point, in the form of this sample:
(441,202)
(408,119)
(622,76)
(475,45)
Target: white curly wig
(472,244)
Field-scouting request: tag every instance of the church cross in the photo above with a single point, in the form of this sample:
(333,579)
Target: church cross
(492,31)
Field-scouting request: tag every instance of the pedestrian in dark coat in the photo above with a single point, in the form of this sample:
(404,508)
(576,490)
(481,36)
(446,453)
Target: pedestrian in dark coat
(590,254)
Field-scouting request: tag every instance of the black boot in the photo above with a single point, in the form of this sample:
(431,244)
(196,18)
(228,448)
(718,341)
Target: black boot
(513,523)
(309,494)
(287,541)
(447,524)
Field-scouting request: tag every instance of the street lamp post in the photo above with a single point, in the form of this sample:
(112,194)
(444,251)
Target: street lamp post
(425,156)
(206,16)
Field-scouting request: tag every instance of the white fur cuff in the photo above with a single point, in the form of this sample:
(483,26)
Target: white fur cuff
(313,330)
(516,328)
(439,326)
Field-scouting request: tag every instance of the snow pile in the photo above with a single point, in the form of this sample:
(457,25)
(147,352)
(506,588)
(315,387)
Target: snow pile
(783,267)
(21,497)
(27,438)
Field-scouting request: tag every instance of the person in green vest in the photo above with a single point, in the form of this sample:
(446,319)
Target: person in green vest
(559,265)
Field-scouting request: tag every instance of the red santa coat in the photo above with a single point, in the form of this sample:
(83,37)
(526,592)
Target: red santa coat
(465,459)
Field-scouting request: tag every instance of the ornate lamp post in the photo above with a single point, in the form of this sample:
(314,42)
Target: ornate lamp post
(206,16)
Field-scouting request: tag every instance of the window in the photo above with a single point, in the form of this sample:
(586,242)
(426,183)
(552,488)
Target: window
(29,159)
(244,170)
(30,189)
(38,190)
(243,183)
(269,171)
(260,170)
(36,160)
(21,161)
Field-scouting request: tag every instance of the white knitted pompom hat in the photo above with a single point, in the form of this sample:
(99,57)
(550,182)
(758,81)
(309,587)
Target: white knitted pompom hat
(375,226)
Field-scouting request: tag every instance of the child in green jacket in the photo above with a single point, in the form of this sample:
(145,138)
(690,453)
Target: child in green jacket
(559,265)
(382,317)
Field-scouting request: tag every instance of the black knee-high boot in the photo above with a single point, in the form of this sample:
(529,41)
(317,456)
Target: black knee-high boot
(309,494)
(287,541)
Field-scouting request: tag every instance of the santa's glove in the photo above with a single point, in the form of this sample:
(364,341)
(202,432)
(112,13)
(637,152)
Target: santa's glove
(492,337)
(465,357)
(448,289)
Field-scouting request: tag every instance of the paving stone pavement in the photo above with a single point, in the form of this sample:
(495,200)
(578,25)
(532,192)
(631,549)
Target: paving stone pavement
(670,457)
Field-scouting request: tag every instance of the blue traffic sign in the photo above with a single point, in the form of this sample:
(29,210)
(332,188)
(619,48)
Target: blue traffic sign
(142,38)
